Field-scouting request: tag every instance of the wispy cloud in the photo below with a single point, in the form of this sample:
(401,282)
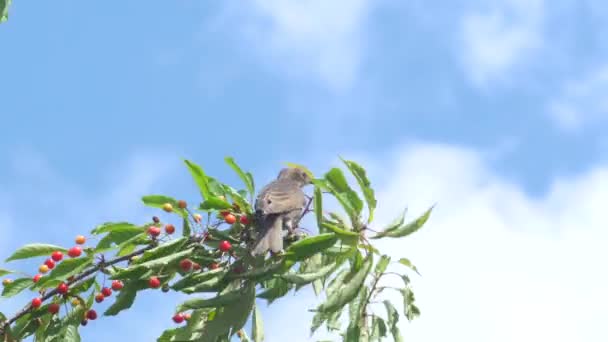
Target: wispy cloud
(311,40)
(582,101)
(499,38)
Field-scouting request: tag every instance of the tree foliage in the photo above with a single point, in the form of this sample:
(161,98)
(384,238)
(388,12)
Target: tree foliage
(209,260)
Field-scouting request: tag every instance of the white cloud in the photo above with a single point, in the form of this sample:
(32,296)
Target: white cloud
(499,38)
(581,101)
(323,39)
(496,263)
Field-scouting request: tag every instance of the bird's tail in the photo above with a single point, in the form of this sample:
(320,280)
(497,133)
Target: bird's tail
(270,237)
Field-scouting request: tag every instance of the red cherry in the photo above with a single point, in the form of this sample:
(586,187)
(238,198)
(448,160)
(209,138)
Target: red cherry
(244,220)
(154,231)
(225,246)
(57,256)
(213,266)
(80,240)
(230,219)
(92,315)
(182,204)
(154,282)
(36,302)
(117,285)
(224,213)
(187,316)
(99,297)
(170,229)
(54,308)
(62,288)
(196,266)
(50,263)
(75,252)
(178,318)
(106,292)
(186,265)
(37,278)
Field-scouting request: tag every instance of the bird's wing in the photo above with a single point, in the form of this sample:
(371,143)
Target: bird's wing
(279,198)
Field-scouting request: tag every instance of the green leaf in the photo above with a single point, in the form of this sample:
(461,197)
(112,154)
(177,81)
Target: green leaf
(318,204)
(411,311)
(71,334)
(65,269)
(238,198)
(35,250)
(186,230)
(112,226)
(407,229)
(162,250)
(393,319)
(382,264)
(214,203)
(348,236)
(151,264)
(310,246)
(214,302)
(406,262)
(305,278)
(4,272)
(4,5)
(349,290)
(229,319)
(378,327)
(193,279)
(126,297)
(246,178)
(336,183)
(16,286)
(365,185)
(200,178)
(278,289)
(257,327)
(158,201)
(83,286)
(118,236)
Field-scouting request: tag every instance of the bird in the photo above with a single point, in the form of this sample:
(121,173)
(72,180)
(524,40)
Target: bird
(278,206)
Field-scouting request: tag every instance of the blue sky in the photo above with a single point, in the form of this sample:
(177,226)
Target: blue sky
(493,109)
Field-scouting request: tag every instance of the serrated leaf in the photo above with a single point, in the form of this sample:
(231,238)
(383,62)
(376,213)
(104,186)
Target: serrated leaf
(365,185)
(347,236)
(231,318)
(83,286)
(393,318)
(16,286)
(279,289)
(162,250)
(158,201)
(199,178)
(245,177)
(111,226)
(382,264)
(310,246)
(348,198)
(118,236)
(34,250)
(186,229)
(151,264)
(407,229)
(214,203)
(305,278)
(406,262)
(349,290)
(65,269)
(214,302)
(126,297)
(197,278)
(257,326)
(71,334)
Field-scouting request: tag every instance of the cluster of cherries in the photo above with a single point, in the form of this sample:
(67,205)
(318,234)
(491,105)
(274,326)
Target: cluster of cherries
(154,282)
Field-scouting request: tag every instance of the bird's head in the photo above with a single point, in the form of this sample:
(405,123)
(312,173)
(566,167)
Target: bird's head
(295,174)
